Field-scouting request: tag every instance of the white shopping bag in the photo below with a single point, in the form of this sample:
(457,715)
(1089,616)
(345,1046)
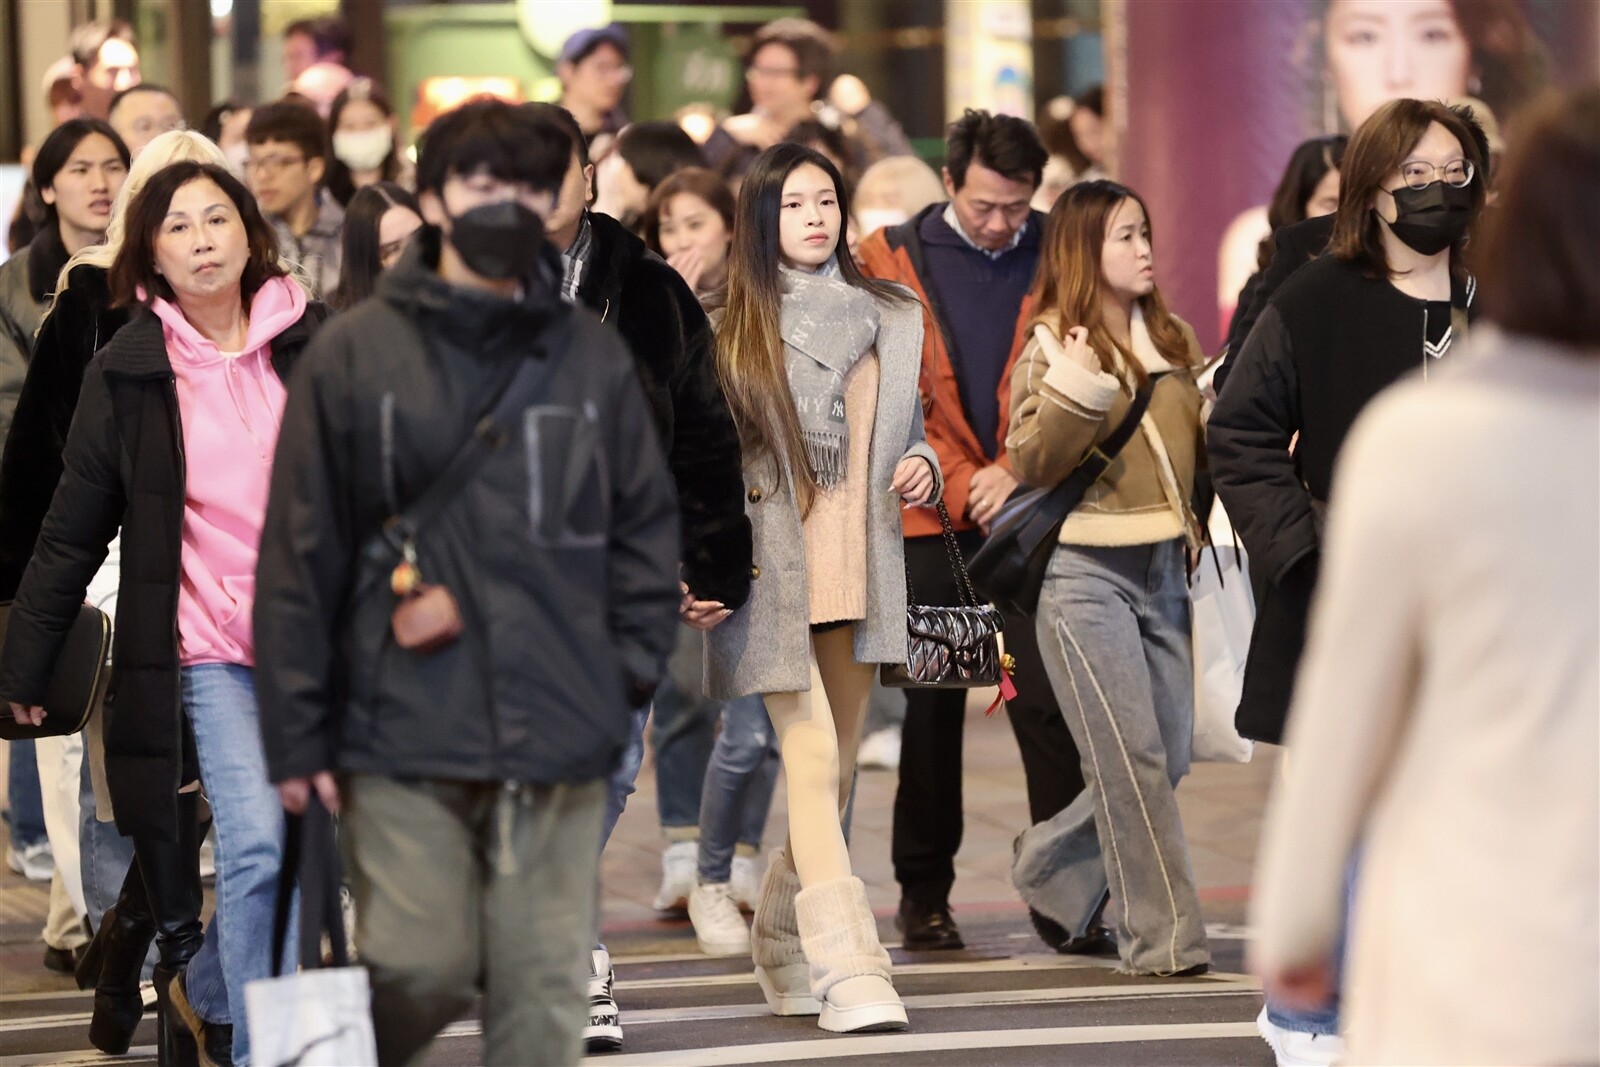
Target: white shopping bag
(1223,614)
(321,1017)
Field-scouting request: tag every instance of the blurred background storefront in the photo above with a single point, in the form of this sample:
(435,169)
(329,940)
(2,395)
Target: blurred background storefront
(1203,99)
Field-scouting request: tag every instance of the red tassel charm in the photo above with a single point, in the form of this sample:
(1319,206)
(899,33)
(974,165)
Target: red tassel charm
(1008,689)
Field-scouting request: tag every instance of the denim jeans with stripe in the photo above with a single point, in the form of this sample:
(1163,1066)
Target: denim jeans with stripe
(1113,627)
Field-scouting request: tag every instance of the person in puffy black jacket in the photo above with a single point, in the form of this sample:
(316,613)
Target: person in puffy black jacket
(472,777)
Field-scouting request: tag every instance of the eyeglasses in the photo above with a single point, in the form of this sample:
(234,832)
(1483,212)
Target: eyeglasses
(1420,175)
(150,127)
(271,165)
(772,72)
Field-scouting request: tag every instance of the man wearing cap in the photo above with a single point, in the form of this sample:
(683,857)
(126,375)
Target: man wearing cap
(594,73)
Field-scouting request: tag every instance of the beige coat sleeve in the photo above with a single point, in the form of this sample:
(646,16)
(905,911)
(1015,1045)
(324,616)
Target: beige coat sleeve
(1057,407)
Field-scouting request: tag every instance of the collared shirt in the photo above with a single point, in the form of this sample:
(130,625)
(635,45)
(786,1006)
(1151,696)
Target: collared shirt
(574,259)
(319,252)
(954,223)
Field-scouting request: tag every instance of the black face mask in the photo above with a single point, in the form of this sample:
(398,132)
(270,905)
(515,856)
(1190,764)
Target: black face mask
(1431,219)
(498,241)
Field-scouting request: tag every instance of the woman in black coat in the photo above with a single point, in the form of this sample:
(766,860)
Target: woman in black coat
(1391,297)
(171,442)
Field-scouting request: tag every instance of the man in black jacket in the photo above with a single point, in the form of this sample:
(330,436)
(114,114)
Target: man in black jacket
(610,271)
(473,777)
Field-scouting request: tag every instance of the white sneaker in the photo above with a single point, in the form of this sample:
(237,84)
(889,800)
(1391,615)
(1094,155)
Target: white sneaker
(745,882)
(208,856)
(679,874)
(1298,1048)
(880,750)
(603,1032)
(34,862)
(718,926)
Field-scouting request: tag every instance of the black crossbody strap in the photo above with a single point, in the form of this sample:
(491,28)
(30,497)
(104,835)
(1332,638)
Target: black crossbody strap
(490,433)
(1047,519)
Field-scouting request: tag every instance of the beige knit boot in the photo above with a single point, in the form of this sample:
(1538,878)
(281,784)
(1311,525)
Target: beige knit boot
(849,968)
(781,967)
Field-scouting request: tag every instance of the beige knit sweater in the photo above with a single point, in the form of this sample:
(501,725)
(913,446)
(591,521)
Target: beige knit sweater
(836,528)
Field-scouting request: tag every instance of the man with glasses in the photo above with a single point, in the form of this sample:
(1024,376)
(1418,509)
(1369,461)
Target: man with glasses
(970,261)
(287,145)
(594,74)
(143,113)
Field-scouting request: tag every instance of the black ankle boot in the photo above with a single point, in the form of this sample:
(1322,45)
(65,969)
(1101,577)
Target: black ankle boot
(113,964)
(171,871)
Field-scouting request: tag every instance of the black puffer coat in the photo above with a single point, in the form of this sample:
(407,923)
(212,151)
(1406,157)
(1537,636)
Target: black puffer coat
(123,467)
(1330,340)
(561,550)
(670,338)
(77,326)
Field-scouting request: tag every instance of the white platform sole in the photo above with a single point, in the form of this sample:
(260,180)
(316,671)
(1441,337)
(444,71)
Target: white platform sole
(788,990)
(863,1018)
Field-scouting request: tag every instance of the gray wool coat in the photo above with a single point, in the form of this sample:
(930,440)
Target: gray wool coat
(765,646)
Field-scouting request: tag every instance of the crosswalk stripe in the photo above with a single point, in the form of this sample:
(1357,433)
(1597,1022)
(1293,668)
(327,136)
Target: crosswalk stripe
(885,1045)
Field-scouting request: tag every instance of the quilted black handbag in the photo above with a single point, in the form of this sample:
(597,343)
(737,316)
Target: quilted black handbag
(950,647)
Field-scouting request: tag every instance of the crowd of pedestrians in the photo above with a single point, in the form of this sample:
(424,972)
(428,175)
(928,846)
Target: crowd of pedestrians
(433,488)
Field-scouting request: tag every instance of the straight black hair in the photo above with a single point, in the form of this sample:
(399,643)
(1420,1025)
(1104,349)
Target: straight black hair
(559,116)
(507,140)
(142,87)
(1308,164)
(1004,143)
(338,179)
(291,122)
(57,149)
(363,261)
(655,150)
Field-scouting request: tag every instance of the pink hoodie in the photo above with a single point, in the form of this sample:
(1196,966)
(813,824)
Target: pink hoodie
(229,407)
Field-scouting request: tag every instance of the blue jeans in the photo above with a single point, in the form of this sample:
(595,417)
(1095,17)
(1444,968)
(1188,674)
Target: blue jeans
(738,787)
(1326,1020)
(1113,628)
(220,700)
(620,786)
(26,814)
(104,853)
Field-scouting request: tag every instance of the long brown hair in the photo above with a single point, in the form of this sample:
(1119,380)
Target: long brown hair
(749,347)
(1376,151)
(1066,290)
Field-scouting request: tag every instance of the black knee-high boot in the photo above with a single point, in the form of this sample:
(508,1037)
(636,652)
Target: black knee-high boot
(113,963)
(171,872)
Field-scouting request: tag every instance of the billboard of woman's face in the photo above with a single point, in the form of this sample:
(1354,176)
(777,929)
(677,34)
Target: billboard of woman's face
(1378,50)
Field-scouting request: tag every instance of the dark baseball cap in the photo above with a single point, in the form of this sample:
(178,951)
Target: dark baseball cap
(581,44)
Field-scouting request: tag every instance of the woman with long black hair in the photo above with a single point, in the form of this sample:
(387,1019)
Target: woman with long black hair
(378,224)
(820,365)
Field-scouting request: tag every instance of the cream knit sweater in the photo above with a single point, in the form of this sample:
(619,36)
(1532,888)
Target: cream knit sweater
(836,528)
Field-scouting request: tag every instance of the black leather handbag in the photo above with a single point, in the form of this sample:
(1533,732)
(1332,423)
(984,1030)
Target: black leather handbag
(949,647)
(1009,569)
(77,683)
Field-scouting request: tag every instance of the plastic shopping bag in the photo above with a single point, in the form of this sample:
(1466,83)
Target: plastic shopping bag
(1223,614)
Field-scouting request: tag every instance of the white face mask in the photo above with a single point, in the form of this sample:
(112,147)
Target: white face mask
(363,149)
(875,218)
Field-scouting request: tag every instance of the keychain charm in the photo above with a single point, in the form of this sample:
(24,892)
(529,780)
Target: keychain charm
(406,576)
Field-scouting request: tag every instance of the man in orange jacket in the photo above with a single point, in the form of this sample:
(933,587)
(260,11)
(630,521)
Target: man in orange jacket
(971,262)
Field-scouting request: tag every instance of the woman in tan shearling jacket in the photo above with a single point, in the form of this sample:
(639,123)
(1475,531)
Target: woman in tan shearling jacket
(1113,617)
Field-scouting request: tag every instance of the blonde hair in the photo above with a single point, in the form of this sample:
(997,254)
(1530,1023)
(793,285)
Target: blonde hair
(903,182)
(174,146)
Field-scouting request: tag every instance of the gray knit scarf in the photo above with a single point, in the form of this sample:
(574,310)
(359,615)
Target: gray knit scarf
(827,325)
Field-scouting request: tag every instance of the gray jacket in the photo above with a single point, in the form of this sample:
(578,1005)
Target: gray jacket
(765,646)
(19,321)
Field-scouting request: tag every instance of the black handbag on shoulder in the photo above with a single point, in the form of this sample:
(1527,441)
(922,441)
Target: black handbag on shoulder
(1009,569)
(949,647)
(77,683)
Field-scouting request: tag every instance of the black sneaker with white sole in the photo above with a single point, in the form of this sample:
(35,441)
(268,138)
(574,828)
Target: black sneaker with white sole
(603,1032)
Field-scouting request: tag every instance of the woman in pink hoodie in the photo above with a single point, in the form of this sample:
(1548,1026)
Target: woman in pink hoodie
(173,441)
